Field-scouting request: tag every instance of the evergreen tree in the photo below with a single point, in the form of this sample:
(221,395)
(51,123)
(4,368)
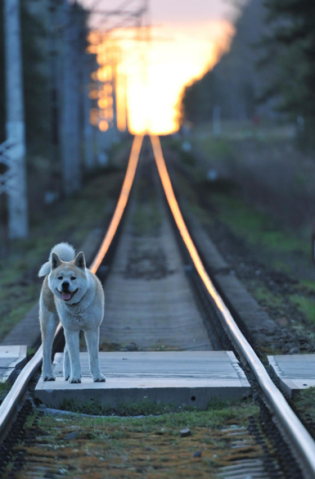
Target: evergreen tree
(198,100)
(233,84)
(291,43)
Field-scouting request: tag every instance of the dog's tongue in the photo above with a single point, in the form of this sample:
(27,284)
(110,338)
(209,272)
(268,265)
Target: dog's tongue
(65,296)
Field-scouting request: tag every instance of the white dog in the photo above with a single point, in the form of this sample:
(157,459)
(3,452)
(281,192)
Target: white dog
(73,294)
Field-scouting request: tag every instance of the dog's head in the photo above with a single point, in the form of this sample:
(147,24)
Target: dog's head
(68,280)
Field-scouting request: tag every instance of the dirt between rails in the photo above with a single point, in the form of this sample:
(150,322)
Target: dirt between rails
(146,258)
(150,304)
(192,445)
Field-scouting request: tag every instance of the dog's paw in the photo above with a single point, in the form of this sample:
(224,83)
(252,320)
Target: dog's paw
(100,378)
(48,377)
(74,380)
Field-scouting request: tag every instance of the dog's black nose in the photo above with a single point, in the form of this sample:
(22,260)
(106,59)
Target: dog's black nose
(65,285)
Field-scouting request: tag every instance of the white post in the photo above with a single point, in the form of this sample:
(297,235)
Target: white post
(216,120)
(15,128)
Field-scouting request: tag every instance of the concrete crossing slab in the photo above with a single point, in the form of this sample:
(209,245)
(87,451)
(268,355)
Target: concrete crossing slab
(181,377)
(11,359)
(295,371)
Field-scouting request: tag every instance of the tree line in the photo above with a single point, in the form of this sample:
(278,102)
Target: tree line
(269,70)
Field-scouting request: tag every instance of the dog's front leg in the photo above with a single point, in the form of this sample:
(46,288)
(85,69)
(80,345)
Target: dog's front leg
(66,364)
(73,346)
(92,340)
(48,322)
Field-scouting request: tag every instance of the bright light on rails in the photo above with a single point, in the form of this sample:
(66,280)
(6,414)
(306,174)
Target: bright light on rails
(298,434)
(123,198)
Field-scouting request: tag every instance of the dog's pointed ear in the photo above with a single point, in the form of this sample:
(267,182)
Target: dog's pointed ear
(55,261)
(79,260)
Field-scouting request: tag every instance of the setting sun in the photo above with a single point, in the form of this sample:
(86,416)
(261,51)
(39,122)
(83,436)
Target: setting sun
(152,70)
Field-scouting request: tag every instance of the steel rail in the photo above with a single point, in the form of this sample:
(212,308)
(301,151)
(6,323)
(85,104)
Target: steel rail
(301,439)
(121,204)
(11,402)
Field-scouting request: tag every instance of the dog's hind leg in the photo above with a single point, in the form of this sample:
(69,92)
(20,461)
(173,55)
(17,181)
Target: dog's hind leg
(66,364)
(49,322)
(73,346)
(92,340)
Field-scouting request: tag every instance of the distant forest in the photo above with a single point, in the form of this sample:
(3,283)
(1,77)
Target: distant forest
(269,71)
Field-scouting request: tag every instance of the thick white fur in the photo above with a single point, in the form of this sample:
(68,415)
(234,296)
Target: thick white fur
(84,311)
(65,251)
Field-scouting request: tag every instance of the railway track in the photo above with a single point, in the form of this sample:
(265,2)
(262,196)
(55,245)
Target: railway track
(206,322)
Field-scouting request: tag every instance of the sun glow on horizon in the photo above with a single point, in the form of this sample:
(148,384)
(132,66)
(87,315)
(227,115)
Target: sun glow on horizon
(151,75)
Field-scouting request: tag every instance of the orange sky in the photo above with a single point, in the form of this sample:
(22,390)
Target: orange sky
(177,56)
(151,75)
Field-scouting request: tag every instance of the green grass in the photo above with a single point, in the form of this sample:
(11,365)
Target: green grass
(146,219)
(266,296)
(254,226)
(128,447)
(305,401)
(217,149)
(4,389)
(310,285)
(306,305)
(140,408)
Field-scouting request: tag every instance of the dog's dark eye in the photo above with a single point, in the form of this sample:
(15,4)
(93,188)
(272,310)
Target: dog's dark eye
(73,278)
(60,277)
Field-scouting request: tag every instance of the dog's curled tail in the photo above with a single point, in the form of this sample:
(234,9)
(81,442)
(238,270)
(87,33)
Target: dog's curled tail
(65,251)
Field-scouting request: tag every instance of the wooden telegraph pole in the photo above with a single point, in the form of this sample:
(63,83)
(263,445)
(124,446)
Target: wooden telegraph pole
(15,127)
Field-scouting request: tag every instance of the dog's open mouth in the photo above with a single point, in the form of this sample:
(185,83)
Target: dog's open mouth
(67,295)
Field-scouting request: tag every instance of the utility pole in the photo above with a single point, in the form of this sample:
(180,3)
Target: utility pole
(216,120)
(107,57)
(15,128)
(54,72)
(71,167)
(87,127)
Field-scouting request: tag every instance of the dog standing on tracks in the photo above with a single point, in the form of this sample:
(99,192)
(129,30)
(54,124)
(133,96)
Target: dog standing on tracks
(73,294)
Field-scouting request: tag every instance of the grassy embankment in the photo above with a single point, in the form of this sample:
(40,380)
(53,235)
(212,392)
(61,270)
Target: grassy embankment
(263,200)
(271,219)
